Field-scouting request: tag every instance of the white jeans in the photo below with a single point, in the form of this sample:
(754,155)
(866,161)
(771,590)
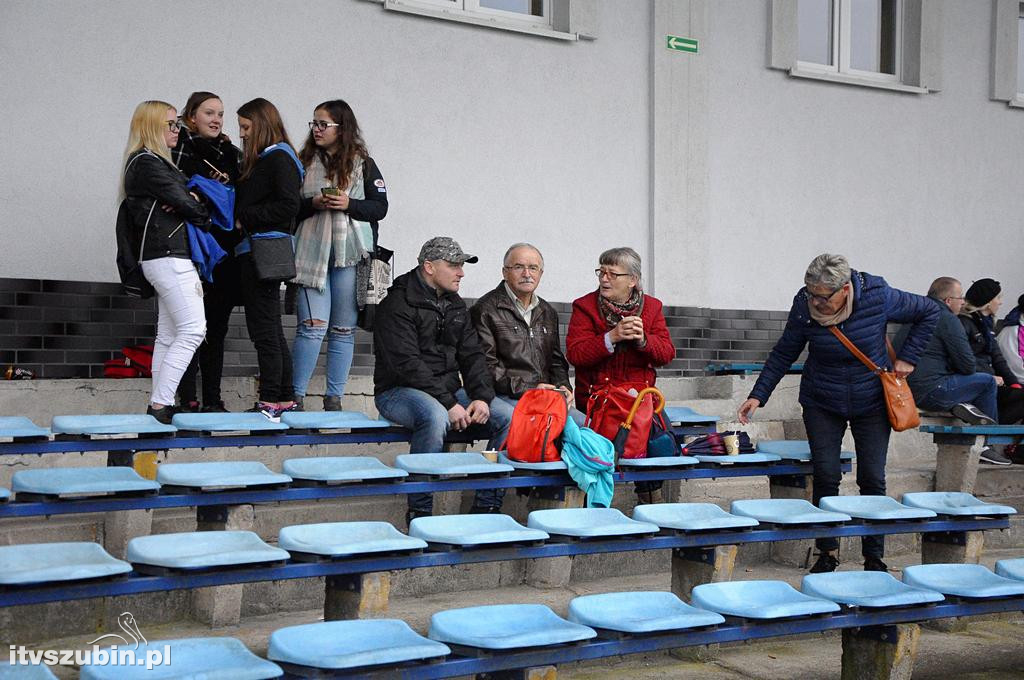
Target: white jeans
(180,325)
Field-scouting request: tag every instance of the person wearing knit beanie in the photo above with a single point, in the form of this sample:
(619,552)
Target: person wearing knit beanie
(982,292)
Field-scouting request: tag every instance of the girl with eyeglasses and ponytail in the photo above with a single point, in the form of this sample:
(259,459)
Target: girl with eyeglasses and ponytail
(203,149)
(266,203)
(343,199)
(159,205)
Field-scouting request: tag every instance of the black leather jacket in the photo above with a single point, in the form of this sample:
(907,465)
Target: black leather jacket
(425,341)
(520,356)
(150,182)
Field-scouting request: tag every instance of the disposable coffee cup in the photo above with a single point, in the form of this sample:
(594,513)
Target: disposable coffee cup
(491,456)
(732,444)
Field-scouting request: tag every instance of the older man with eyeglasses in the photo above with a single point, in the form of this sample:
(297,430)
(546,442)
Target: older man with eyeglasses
(838,391)
(519,333)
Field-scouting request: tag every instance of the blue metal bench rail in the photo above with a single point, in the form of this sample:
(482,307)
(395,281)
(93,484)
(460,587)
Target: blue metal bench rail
(285,438)
(741,368)
(297,493)
(455,666)
(965,434)
(292,570)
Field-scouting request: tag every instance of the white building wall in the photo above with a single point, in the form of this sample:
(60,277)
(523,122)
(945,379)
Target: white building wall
(486,135)
(908,186)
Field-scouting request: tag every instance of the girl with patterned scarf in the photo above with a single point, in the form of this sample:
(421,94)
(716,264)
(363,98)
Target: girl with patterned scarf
(343,199)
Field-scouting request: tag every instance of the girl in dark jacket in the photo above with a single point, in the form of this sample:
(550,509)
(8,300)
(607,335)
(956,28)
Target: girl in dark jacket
(159,204)
(267,202)
(343,198)
(982,302)
(203,149)
(837,390)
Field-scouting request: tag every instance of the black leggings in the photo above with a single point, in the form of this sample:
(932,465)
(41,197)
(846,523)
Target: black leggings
(1011,404)
(219,300)
(263,318)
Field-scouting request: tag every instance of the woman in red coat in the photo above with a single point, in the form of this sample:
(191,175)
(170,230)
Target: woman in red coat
(617,334)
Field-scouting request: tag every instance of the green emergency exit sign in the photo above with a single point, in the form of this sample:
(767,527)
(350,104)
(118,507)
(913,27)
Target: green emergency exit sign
(680,44)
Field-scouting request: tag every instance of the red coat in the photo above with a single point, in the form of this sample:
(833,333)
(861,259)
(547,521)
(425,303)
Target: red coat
(586,350)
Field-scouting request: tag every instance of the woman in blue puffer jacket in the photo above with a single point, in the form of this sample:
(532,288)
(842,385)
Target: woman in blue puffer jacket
(836,389)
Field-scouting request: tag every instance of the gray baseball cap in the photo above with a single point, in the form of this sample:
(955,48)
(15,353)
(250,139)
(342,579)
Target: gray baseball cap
(445,248)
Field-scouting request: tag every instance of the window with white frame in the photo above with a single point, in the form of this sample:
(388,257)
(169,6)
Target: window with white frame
(856,37)
(566,19)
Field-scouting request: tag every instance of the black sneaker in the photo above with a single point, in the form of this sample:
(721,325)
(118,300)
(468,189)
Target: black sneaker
(163,415)
(332,403)
(214,408)
(268,410)
(189,407)
(971,414)
(826,562)
(875,564)
(993,457)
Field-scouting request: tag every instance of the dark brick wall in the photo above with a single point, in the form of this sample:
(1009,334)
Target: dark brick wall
(67,329)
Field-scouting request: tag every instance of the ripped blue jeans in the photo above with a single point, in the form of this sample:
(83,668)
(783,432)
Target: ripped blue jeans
(335,310)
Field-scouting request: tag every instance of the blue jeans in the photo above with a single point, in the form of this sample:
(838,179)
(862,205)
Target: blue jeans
(428,419)
(871,431)
(978,389)
(336,308)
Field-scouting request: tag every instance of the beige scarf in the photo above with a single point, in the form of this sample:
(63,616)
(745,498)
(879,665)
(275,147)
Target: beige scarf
(833,319)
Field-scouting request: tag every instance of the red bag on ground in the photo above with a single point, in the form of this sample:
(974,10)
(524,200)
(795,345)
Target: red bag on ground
(537,422)
(608,409)
(137,362)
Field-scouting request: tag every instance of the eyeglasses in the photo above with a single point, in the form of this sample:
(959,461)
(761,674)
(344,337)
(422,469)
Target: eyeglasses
(520,268)
(322,125)
(822,299)
(605,274)
(174,125)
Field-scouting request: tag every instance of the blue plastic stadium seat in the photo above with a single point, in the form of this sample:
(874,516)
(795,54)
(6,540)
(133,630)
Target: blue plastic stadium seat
(955,503)
(505,626)
(345,645)
(758,600)
(332,420)
(684,415)
(340,469)
(20,428)
(63,482)
(743,458)
(201,550)
(471,530)
(639,612)
(126,424)
(220,423)
(690,517)
(549,466)
(962,580)
(866,589)
(793,449)
(1013,568)
(657,461)
(219,475)
(449,464)
(345,539)
(19,672)
(786,511)
(873,507)
(588,523)
(51,562)
(223,658)
(5,495)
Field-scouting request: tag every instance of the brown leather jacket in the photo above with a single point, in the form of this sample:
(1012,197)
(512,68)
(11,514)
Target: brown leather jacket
(518,355)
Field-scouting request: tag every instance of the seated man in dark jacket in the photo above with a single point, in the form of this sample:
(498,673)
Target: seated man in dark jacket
(519,332)
(423,340)
(945,378)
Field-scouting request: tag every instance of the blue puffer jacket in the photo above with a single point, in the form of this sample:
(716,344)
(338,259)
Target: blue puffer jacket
(833,379)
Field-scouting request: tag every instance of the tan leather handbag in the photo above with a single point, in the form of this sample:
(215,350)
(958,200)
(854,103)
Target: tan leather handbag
(899,401)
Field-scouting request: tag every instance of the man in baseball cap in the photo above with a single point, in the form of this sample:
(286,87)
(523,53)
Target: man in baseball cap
(430,373)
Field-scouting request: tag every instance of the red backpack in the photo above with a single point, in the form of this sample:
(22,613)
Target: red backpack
(537,421)
(137,362)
